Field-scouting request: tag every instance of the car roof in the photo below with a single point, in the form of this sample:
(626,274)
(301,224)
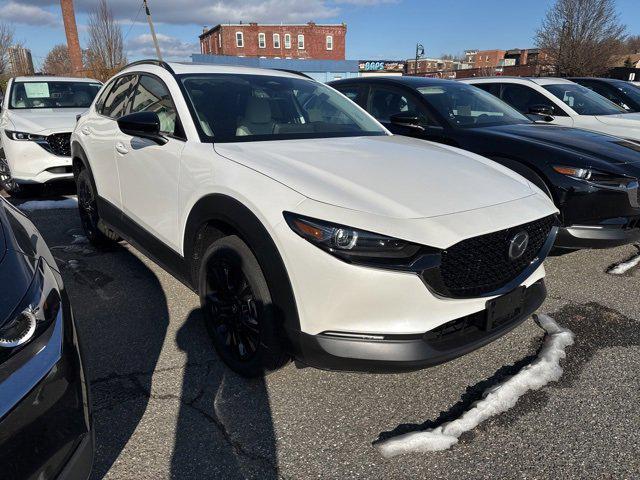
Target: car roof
(181,68)
(413,82)
(536,80)
(599,79)
(42,78)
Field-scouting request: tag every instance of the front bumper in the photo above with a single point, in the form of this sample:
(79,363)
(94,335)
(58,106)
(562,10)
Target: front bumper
(597,236)
(30,163)
(595,216)
(395,353)
(45,427)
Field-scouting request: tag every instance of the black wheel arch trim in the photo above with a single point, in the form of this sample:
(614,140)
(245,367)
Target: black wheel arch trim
(228,210)
(524,169)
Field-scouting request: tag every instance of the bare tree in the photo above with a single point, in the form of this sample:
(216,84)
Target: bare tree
(57,61)
(6,40)
(632,45)
(105,53)
(581,36)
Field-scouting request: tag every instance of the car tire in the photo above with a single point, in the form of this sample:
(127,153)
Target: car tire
(9,185)
(98,234)
(237,308)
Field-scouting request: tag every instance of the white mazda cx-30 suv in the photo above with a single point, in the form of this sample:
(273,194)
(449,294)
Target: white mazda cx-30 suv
(307,229)
(36,120)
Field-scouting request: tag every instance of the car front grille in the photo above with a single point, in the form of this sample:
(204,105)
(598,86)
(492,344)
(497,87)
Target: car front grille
(60,144)
(481,265)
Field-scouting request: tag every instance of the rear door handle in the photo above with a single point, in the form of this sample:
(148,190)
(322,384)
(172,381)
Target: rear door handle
(85,130)
(121,148)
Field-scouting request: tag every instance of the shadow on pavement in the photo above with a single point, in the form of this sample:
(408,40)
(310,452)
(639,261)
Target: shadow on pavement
(217,424)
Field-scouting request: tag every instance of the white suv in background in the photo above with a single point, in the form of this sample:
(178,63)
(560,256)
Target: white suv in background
(307,229)
(36,120)
(562,102)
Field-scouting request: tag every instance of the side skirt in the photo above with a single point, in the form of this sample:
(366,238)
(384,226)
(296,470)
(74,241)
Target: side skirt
(150,246)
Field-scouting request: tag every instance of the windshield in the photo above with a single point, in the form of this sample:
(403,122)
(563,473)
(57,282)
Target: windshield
(236,108)
(54,94)
(628,89)
(466,106)
(583,100)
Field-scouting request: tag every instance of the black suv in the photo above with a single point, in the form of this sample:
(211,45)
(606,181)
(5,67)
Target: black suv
(592,177)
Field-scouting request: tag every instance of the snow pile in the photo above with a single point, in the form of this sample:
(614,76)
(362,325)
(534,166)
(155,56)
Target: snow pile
(495,400)
(33,205)
(624,267)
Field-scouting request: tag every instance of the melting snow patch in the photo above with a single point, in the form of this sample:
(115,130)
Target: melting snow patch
(495,400)
(32,205)
(624,267)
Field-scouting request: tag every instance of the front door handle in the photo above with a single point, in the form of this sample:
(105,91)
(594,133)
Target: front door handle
(121,148)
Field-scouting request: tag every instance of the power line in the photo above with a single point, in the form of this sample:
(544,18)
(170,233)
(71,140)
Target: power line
(134,22)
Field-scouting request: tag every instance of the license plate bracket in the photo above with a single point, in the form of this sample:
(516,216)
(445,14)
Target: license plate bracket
(504,308)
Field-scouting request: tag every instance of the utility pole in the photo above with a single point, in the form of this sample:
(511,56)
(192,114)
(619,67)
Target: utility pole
(153,31)
(73,44)
(419,54)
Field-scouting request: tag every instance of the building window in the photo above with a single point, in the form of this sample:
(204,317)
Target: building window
(301,42)
(219,41)
(239,40)
(262,40)
(276,40)
(329,42)
(287,40)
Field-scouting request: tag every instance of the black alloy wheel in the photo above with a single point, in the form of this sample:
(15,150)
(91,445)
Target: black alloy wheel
(88,210)
(232,309)
(238,311)
(7,182)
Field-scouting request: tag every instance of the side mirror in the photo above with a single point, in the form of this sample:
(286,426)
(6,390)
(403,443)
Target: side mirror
(542,110)
(143,125)
(406,120)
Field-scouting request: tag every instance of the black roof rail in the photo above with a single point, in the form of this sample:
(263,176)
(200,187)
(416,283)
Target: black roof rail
(294,72)
(151,61)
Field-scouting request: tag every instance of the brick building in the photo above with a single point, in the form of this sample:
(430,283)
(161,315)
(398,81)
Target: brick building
(433,65)
(294,41)
(484,58)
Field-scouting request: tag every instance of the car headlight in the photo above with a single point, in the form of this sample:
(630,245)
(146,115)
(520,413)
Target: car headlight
(597,177)
(360,246)
(13,135)
(35,313)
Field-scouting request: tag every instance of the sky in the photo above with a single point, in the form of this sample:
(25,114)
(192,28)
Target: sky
(376,29)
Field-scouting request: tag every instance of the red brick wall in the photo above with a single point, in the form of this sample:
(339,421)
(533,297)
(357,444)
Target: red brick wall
(315,37)
(488,58)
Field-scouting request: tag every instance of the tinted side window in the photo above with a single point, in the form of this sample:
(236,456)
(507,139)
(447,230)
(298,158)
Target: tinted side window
(153,96)
(492,88)
(116,101)
(386,101)
(103,96)
(353,93)
(522,98)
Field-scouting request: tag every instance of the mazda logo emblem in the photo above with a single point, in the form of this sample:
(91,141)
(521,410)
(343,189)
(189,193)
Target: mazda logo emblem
(518,245)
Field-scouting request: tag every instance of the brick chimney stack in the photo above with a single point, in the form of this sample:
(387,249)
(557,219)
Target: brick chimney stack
(73,44)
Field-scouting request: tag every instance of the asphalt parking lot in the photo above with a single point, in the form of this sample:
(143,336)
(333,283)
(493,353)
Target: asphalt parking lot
(166,407)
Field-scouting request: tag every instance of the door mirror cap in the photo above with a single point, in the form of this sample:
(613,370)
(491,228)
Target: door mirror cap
(142,125)
(406,120)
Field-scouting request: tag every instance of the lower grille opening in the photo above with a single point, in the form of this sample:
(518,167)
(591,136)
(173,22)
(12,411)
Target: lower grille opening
(59,170)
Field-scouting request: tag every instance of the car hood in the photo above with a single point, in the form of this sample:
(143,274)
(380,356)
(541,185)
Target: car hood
(387,175)
(16,269)
(585,143)
(39,120)
(622,120)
